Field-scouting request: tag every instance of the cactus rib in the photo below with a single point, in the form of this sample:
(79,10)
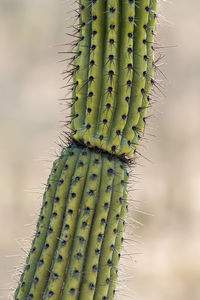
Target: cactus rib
(98,229)
(42,226)
(94,76)
(80,85)
(106,263)
(125,74)
(59,266)
(150,66)
(110,73)
(53,232)
(118,245)
(129,139)
(87,209)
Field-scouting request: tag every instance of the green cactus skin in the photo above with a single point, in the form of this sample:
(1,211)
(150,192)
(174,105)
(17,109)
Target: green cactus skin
(118,244)
(106,263)
(106,226)
(84,215)
(58,267)
(110,73)
(125,74)
(91,97)
(120,50)
(81,66)
(42,226)
(150,66)
(129,140)
(45,239)
(76,249)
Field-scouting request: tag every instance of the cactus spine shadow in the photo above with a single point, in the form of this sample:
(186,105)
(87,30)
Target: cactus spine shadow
(76,248)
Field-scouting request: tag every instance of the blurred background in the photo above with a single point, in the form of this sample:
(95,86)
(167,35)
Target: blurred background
(161,259)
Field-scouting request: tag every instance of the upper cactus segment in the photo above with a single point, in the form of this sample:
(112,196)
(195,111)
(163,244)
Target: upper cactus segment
(113,73)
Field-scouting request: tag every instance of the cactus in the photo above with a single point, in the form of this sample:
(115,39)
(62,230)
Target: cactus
(76,248)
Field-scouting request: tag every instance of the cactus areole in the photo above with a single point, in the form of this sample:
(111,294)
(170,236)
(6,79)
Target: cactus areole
(76,248)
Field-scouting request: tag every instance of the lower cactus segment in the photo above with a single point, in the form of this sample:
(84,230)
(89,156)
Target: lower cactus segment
(76,248)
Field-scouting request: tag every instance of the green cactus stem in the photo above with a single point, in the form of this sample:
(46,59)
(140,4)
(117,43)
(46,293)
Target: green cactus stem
(85,211)
(120,75)
(76,249)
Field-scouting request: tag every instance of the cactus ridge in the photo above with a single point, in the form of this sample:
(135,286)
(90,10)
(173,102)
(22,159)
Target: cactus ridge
(42,225)
(150,66)
(82,232)
(98,229)
(118,243)
(46,239)
(129,140)
(110,73)
(125,74)
(95,77)
(50,245)
(58,268)
(106,263)
(81,66)
(93,83)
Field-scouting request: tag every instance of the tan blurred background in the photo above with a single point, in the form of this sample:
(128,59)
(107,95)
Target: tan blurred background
(167,261)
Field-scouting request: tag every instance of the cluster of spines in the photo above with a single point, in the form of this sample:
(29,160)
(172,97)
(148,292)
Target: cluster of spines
(85,197)
(110,103)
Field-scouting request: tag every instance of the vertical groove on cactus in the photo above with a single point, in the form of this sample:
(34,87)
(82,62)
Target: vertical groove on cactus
(150,66)
(53,232)
(79,235)
(42,226)
(125,74)
(84,223)
(110,73)
(81,66)
(118,244)
(59,265)
(75,67)
(130,139)
(93,96)
(98,229)
(106,263)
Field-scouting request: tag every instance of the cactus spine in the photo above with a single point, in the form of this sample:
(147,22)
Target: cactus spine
(76,248)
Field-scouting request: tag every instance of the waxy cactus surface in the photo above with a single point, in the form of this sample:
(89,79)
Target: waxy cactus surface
(76,248)
(109,104)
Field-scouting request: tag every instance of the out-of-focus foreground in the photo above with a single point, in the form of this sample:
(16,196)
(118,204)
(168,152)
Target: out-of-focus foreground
(169,266)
